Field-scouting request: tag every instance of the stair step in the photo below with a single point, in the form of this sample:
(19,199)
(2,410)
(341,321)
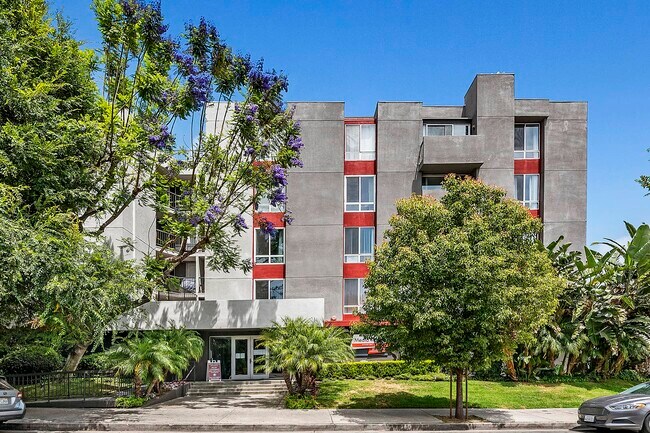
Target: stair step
(234,394)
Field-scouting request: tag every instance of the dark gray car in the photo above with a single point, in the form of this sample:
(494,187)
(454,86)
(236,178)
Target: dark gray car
(11,402)
(628,410)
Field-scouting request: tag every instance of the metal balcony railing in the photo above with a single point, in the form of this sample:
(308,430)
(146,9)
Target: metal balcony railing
(182,288)
(173,242)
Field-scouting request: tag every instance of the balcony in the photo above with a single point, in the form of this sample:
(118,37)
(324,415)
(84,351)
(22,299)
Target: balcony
(182,289)
(451,154)
(221,314)
(173,242)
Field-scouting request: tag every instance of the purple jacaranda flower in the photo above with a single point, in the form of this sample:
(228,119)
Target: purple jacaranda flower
(252,109)
(296,124)
(195,220)
(278,197)
(296,162)
(240,223)
(249,151)
(211,214)
(162,139)
(249,118)
(295,143)
(287,218)
(237,107)
(185,63)
(199,85)
(279,176)
(267,227)
(265,144)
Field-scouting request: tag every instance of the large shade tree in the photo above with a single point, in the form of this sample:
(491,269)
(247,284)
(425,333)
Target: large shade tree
(74,154)
(459,280)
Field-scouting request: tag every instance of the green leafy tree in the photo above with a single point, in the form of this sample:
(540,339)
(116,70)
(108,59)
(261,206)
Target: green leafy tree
(461,280)
(150,356)
(74,156)
(299,348)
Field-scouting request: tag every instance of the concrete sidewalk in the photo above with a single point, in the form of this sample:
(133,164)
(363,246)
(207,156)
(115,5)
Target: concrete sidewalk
(176,417)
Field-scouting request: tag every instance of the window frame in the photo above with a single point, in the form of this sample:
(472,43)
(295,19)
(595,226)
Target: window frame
(439,187)
(535,152)
(360,203)
(527,201)
(271,208)
(268,280)
(361,155)
(361,296)
(269,256)
(359,257)
(452,126)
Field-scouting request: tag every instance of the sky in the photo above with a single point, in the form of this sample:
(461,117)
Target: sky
(362,52)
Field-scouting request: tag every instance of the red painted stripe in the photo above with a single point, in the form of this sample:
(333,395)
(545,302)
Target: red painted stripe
(359,167)
(355,270)
(272,271)
(527,166)
(358,219)
(359,120)
(348,319)
(273,217)
(534,213)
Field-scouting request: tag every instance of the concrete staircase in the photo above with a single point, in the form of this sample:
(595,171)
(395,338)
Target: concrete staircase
(232,388)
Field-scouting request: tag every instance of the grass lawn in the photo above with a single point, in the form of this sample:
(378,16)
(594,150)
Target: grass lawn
(382,393)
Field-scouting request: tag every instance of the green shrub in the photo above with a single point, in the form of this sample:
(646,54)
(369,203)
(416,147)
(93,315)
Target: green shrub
(127,402)
(298,402)
(32,359)
(95,361)
(630,376)
(379,370)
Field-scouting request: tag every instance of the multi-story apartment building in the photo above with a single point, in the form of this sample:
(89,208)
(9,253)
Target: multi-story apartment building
(355,168)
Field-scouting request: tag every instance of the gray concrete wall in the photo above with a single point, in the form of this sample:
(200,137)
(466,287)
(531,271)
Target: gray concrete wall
(314,242)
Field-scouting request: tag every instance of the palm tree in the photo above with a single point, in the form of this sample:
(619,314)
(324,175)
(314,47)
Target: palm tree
(300,347)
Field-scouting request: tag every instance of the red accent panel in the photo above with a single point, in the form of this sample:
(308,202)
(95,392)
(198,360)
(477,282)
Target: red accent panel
(527,166)
(358,219)
(359,167)
(534,213)
(355,270)
(359,120)
(274,271)
(274,217)
(347,320)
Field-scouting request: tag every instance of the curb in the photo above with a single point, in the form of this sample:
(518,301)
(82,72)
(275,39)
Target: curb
(100,426)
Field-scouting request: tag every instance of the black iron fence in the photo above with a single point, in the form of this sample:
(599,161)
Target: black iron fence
(67,385)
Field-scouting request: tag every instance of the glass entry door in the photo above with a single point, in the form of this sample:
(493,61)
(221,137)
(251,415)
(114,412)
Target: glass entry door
(241,358)
(260,353)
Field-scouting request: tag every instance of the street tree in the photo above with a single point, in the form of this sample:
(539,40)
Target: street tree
(460,280)
(75,153)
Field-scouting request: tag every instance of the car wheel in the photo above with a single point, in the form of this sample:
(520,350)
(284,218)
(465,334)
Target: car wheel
(646,425)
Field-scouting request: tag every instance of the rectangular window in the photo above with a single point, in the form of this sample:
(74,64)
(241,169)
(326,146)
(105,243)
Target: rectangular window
(431,184)
(527,141)
(269,249)
(360,142)
(359,193)
(439,129)
(527,190)
(359,244)
(354,295)
(265,205)
(269,289)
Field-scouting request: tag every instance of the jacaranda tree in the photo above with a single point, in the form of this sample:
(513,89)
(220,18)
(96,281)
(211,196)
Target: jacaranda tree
(74,153)
(459,280)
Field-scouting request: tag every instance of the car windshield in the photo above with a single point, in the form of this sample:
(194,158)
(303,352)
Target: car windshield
(4,385)
(642,388)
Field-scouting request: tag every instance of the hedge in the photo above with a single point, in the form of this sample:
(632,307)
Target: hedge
(95,361)
(381,369)
(32,359)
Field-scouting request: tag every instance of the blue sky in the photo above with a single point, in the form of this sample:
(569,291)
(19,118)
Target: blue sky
(361,52)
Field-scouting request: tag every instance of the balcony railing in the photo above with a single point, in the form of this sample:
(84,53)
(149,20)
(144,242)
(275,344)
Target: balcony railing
(173,242)
(182,289)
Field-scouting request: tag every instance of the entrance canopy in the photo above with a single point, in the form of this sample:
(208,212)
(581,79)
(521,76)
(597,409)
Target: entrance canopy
(222,314)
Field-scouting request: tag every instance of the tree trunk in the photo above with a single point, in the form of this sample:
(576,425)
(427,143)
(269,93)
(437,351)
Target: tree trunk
(287,381)
(459,394)
(74,357)
(573,359)
(510,368)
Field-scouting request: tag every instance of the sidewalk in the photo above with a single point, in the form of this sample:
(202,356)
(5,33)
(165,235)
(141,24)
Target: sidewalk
(174,417)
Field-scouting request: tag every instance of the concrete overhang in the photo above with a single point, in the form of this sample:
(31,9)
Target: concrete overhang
(456,154)
(222,314)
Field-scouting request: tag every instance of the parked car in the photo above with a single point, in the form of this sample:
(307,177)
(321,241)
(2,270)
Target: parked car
(12,405)
(628,410)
